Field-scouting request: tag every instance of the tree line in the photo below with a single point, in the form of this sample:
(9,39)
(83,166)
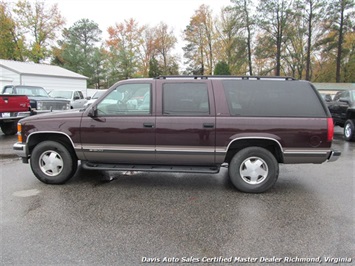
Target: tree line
(305,39)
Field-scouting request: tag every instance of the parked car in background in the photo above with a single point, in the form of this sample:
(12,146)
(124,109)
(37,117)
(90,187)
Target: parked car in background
(40,101)
(342,109)
(75,97)
(12,109)
(96,96)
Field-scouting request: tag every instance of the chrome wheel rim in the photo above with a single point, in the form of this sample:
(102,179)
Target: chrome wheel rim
(51,163)
(347,130)
(253,170)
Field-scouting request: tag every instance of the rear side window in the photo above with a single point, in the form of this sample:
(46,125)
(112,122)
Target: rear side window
(185,99)
(272,98)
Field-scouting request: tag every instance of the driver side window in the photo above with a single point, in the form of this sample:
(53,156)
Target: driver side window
(127,99)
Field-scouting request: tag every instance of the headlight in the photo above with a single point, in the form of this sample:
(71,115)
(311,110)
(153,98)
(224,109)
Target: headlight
(66,107)
(39,105)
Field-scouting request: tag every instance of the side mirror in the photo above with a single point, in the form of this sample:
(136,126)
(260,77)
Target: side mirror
(92,111)
(88,98)
(76,98)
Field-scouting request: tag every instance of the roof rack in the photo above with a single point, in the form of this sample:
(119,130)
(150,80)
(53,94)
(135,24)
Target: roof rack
(225,76)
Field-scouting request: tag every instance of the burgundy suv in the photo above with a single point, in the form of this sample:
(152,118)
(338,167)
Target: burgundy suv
(185,124)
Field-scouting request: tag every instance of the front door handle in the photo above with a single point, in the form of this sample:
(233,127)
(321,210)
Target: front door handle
(208,125)
(149,125)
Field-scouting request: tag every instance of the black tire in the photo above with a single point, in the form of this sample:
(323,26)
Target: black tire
(52,163)
(9,128)
(349,130)
(262,173)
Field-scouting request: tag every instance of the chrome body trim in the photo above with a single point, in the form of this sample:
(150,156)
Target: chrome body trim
(50,132)
(290,156)
(256,137)
(21,149)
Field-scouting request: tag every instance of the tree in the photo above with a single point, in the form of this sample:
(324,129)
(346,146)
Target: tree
(154,68)
(125,47)
(199,35)
(273,20)
(341,12)
(295,45)
(164,43)
(41,24)
(242,12)
(231,42)
(312,13)
(11,43)
(78,50)
(99,74)
(221,68)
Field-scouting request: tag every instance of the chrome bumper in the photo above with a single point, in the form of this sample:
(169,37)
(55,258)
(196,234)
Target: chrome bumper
(20,149)
(333,156)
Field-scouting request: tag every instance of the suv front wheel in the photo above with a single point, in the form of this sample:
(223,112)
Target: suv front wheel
(52,163)
(253,170)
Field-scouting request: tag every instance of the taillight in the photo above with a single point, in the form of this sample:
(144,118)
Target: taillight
(19,132)
(330,129)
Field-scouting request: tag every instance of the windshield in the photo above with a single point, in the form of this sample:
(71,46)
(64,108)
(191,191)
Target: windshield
(61,94)
(33,91)
(98,94)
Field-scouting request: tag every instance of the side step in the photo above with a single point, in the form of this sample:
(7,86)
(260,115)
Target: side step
(150,168)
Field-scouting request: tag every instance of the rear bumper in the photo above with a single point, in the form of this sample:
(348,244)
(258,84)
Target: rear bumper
(333,156)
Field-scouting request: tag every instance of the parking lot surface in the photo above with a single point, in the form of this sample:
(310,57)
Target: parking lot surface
(133,218)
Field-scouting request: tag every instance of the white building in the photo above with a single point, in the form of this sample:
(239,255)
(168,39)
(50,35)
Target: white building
(47,76)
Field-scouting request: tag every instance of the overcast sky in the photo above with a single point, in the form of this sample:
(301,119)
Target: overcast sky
(175,13)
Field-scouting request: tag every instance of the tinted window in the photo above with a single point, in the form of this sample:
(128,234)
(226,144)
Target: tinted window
(127,99)
(272,98)
(185,99)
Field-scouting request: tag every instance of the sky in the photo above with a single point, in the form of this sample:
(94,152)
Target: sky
(175,13)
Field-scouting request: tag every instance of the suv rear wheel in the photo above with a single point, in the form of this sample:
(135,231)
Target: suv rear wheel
(52,163)
(253,170)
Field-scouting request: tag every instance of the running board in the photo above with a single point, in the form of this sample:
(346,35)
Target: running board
(150,168)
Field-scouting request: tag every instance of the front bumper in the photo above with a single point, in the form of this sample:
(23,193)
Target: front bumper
(333,156)
(21,150)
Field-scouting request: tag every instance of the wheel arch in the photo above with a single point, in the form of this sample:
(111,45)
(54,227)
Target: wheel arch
(270,144)
(350,114)
(37,137)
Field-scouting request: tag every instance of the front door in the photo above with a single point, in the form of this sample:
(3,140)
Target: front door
(123,128)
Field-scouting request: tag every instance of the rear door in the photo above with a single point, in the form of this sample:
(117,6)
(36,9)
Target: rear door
(123,131)
(185,123)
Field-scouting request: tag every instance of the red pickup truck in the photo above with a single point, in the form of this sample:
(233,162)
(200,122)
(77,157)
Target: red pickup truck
(12,109)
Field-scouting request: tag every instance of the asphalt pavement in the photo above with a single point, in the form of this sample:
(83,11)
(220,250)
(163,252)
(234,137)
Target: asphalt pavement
(136,218)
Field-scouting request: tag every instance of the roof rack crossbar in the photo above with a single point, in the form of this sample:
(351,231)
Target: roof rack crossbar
(225,76)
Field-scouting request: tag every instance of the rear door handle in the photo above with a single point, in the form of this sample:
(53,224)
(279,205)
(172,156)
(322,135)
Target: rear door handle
(208,125)
(150,125)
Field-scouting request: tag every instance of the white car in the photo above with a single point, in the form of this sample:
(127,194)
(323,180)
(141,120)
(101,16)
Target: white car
(76,98)
(94,97)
